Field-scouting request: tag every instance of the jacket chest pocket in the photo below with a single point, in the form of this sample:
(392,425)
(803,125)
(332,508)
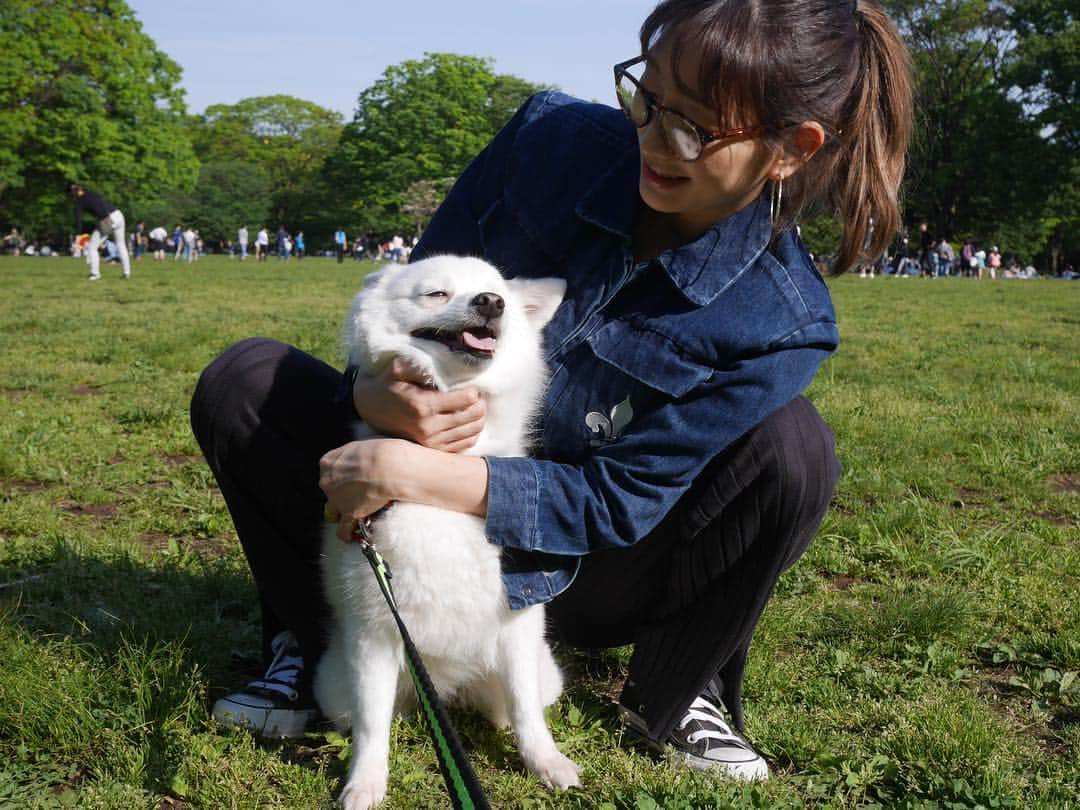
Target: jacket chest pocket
(647,358)
(619,375)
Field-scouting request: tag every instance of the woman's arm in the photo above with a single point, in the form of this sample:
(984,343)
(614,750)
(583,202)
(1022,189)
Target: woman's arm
(396,402)
(622,489)
(362,477)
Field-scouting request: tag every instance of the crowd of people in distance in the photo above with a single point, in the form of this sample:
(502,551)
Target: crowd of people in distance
(182,244)
(15,244)
(186,244)
(936,258)
(931,258)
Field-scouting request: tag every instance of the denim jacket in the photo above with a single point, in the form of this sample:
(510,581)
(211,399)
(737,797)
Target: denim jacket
(655,366)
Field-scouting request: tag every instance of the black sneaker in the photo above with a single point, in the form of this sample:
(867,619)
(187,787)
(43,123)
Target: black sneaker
(704,740)
(276,705)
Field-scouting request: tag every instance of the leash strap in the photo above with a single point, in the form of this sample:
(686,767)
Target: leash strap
(461,782)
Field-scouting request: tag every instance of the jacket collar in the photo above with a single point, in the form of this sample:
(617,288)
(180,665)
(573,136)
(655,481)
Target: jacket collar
(705,267)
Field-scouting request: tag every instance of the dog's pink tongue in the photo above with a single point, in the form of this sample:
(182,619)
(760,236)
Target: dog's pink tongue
(485,343)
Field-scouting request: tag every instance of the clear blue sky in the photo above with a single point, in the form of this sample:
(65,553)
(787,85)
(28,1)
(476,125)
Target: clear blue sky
(327,51)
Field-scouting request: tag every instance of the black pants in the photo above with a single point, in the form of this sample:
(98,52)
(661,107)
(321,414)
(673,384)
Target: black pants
(688,596)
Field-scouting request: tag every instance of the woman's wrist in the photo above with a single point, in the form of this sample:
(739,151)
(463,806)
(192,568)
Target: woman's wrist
(418,474)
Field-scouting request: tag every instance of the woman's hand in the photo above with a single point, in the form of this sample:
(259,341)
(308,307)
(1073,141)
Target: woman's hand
(397,402)
(357,479)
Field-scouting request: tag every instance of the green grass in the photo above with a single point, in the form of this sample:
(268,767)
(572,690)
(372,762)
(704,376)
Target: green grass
(924,653)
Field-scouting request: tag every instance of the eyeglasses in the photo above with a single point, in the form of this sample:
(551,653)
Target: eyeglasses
(683,136)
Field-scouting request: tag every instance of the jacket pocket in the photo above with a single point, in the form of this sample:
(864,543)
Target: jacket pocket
(648,357)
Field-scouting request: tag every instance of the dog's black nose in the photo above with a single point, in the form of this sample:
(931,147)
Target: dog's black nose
(488,304)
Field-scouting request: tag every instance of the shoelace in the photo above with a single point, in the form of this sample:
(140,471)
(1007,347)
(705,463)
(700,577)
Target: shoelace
(284,670)
(704,712)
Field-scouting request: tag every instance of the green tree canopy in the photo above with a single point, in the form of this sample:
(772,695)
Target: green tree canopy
(287,140)
(969,131)
(228,194)
(1046,72)
(423,120)
(1046,64)
(984,163)
(84,95)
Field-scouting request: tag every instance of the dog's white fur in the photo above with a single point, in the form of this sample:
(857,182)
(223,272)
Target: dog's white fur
(446,575)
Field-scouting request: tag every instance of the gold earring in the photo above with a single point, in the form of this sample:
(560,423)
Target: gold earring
(775,199)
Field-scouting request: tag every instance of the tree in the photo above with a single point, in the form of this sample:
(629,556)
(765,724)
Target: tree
(422,199)
(84,95)
(964,176)
(996,94)
(1046,65)
(229,194)
(1046,72)
(287,140)
(423,120)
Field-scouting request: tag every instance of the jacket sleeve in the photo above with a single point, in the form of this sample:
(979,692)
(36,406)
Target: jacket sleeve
(623,490)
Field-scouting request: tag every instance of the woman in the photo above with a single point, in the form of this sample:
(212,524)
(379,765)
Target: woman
(678,472)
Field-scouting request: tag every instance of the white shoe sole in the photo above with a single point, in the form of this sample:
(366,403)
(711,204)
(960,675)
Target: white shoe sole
(269,723)
(750,770)
(754,770)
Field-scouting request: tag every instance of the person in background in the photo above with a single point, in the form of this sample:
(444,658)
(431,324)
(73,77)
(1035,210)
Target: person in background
(946,257)
(299,246)
(158,236)
(262,244)
(13,242)
(967,258)
(993,261)
(188,239)
(282,240)
(138,240)
(242,241)
(397,248)
(340,244)
(980,263)
(109,222)
(926,251)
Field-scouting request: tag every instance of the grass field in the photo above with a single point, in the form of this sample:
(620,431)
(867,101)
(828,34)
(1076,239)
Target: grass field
(924,653)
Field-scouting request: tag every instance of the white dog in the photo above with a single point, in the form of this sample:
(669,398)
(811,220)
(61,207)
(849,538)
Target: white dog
(458,321)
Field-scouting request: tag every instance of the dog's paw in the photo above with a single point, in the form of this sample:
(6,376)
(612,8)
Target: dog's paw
(557,771)
(363,791)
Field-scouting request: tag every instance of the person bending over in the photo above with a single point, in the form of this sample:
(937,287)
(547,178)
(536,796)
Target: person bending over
(109,221)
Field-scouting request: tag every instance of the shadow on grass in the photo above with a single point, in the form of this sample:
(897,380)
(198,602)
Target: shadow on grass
(112,663)
(116,661)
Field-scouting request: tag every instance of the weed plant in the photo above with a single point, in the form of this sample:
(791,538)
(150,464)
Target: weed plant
(924,652)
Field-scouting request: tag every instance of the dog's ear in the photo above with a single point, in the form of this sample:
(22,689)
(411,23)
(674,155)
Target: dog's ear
(540,297)
(373,278)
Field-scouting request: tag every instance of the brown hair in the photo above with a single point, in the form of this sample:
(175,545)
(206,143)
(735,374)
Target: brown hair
(840,63)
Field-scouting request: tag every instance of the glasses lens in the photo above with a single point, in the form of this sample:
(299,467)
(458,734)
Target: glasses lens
(681,136)
(632,101)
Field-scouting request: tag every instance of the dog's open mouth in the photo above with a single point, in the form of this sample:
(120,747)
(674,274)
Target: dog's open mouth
(478,341)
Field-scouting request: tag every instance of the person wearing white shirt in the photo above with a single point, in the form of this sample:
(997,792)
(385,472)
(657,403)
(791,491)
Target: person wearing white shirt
(157,242)
(189,245)
(262,244)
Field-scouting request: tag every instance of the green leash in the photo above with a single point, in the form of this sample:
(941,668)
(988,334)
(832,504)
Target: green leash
(461,782)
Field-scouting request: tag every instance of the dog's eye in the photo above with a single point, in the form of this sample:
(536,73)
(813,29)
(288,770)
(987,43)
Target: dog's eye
(437,294)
